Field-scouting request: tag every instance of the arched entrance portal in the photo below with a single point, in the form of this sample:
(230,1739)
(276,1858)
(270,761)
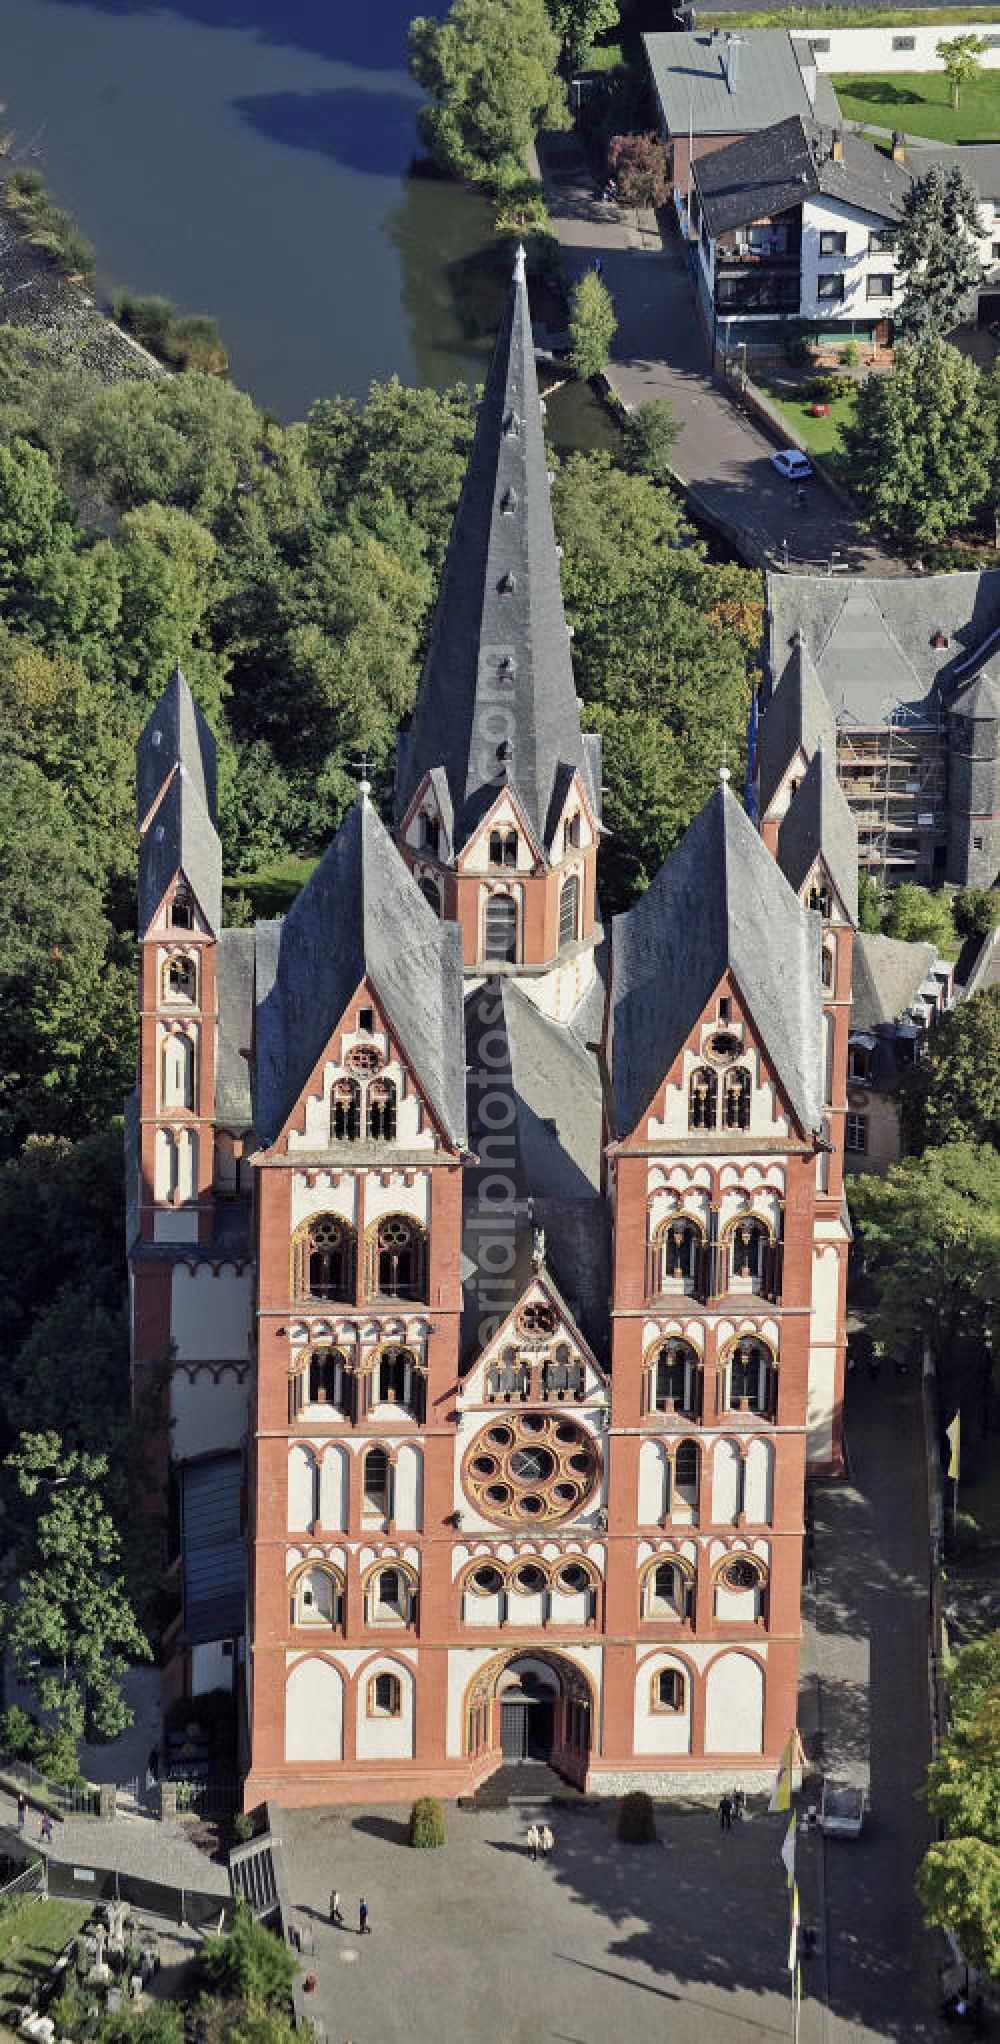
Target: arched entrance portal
(531,1707)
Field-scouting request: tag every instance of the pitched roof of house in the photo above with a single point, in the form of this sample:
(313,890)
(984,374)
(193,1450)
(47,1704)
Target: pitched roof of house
(690,79)
(175,734)
(181,838)
(720,902)
(818,823)
(980,697)
(872,640)
(887,978)
(360,915)
(234,966)
(979,160)
(497,703)
(778,166)
(798,715)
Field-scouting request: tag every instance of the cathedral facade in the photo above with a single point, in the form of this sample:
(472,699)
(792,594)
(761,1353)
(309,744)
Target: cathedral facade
(494,1258)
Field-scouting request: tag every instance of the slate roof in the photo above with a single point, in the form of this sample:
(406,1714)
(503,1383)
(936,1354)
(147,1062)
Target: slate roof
(719,902)
(360,914)
(980,698)
(181,837)
(818,821)
(781,165)
(979,160)
(499,641)
(689,78)
(798,714)
(888,975)
(872,640)
(235,993)
(175,734)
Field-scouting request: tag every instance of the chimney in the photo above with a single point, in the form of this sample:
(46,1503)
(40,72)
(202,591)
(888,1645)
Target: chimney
(898,146)
(837,146)
(808,70)
(731,61)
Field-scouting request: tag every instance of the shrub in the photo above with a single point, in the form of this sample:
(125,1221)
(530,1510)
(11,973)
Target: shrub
(243,1827)
(639,163)
(250,1963)
(917,916)
(976,911)
(427,1823)
(850,353)
(637,1819)
(18,1733)
(23,184)
(650,433)
(196,343)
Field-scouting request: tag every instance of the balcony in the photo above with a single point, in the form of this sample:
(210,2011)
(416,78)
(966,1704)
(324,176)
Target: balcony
(770,286)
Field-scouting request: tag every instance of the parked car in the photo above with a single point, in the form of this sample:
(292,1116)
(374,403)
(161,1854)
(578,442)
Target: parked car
(789,462)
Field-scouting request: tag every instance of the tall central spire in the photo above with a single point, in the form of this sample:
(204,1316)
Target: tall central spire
(497,702)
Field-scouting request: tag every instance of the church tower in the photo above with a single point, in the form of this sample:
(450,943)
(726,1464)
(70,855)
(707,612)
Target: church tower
(498,790)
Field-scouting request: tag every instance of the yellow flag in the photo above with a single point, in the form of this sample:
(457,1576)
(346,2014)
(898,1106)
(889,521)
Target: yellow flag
(781,1794)
(954,1433)
(793,1930)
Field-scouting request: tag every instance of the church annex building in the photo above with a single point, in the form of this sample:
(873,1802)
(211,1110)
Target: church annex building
(499,1257)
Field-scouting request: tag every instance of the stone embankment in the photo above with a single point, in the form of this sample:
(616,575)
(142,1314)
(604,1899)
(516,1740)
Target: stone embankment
(34,296)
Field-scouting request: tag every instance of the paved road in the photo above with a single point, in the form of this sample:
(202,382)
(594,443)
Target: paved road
(660,351)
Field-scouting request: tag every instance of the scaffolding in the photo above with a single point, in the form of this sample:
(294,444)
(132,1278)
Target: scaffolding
(895,778)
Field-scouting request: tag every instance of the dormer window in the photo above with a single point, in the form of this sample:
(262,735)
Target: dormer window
(182,910)
(508,503)
(366,1021)
(571,833)
(503,848)
(507,583)
(820,899)
(430,833)
(511,426)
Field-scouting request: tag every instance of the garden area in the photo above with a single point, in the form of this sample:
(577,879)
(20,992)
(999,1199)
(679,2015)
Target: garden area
(919,102)
(32,1935)
(799,402)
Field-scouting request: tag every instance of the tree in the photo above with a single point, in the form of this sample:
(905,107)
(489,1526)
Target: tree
(250,1962)
(639,165)
(869,904)
(976,911)
(490,69)
(930,1231)
(921,446)
(592,325)
(959,1878)
(915,915)
(961,58)
(579,22)
(937,253)
(954,1093)
(650,434)
(70,1629)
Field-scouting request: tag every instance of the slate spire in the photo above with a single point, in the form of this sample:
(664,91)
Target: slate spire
(175,734)
(798,714)
(497,703)
(175,800)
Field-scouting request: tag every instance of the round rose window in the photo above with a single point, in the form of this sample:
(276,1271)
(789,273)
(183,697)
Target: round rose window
(535,1466)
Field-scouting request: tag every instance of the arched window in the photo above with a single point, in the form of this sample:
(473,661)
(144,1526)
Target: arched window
(685,1483)
(562,1372)
(530,1580)
(666,1591)
(182,909)
(485,1582)
(317,1597)
(500,932)
(390,1597)
(752,1379)
(703,1098)
(397,1259)
(323,1259)
(385,1696)
(674,1256)
(330,1380)
(178,1072)
(667,1690)
(345,1111)
(740,1587)
(828,964)
(430,833)
(377,1489)
(736,1099)
(396,1379)
(431,893)
(569,910)
(572,832)
(820,899)
(750,1257)
(180,978)
(672,1378)
(381,1111)
(503,848)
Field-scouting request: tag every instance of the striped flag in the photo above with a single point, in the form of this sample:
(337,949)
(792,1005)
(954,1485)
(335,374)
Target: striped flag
(793,1936)
(954,1433)
(781,1794)
(788,1850)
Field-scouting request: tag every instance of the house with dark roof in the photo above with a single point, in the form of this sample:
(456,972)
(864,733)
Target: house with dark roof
(899,991)
(713,87)
(795,221)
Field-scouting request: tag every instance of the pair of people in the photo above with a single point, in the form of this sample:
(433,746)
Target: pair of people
(337,1914)
(540,1840)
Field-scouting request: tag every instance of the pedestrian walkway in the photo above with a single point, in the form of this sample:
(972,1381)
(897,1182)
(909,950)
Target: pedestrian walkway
(126,1845)
(660,351)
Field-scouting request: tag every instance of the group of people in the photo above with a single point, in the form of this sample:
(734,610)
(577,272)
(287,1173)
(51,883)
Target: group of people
(731,1809)
(337,1914)
(540,1840)
(45,1826)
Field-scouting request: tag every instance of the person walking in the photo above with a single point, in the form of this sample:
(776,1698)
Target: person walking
(364,1927)
(22,1809)
(45,1828)
(725,1813)
(336,1915)
(546,1840)
(534,1840)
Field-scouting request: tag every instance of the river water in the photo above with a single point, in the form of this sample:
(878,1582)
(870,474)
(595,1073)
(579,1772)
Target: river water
(251,158)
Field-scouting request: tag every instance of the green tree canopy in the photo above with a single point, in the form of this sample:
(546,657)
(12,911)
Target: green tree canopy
(918,916)
(937,252)
(650,435)
(249,1962)
(962,59)
(579,22)
(869,904)
(930,1231)
(954,1093)
(490,70)
(959,1878)
(592,325)
(922,443)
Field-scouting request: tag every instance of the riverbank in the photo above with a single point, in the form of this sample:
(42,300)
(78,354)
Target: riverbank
(61,314)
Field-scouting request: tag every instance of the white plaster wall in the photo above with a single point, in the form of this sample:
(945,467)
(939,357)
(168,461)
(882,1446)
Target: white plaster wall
(386,1738)
(398,1198)
(660,1731)
(558,993)
(211,1667)
(208,1414)
(725,1478)
(476,858)
(323,1197)
(759,1481)
(734,1705)
(819,1413)
(333,1489)
(737,1605)
(567,1609)
(315,1133)
(408,1499)
(825,1292)
(463,1664)
(301,1488)
(652,1483)
(523,1609)
(870,49)
(210,1310)
(314,1711)
(478,1610)
(856,264)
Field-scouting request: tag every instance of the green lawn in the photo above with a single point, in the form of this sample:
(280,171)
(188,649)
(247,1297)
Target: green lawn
(31,1937)
(846,17)
(919,102)
(272,889)
(821,436)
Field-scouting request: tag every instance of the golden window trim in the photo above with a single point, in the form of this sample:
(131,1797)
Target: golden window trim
(392,1710)
(656,1705)
(558,1491)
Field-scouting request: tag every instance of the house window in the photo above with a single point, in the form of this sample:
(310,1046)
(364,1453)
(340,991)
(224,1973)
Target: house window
(345,1111)
(667,1690)
(323,1259)
(569,908)
(431,893)
(858,1063)
(430,833)
(881,241)
(830,285)
(685,1485)
(671,1378)
(329,1380)
(397,1259)
(736,1100)
(182,910)
(501,928)
(317,1597)
(503,848)
(385,1696)
(879,284)
(904,42)
(377,1499)
(179,979)
(702,1098)
(381,1111)
(832,242)
(571,832)
(856,1134)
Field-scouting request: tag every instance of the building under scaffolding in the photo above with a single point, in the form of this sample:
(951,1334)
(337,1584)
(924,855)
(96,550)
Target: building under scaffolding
(895,778)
